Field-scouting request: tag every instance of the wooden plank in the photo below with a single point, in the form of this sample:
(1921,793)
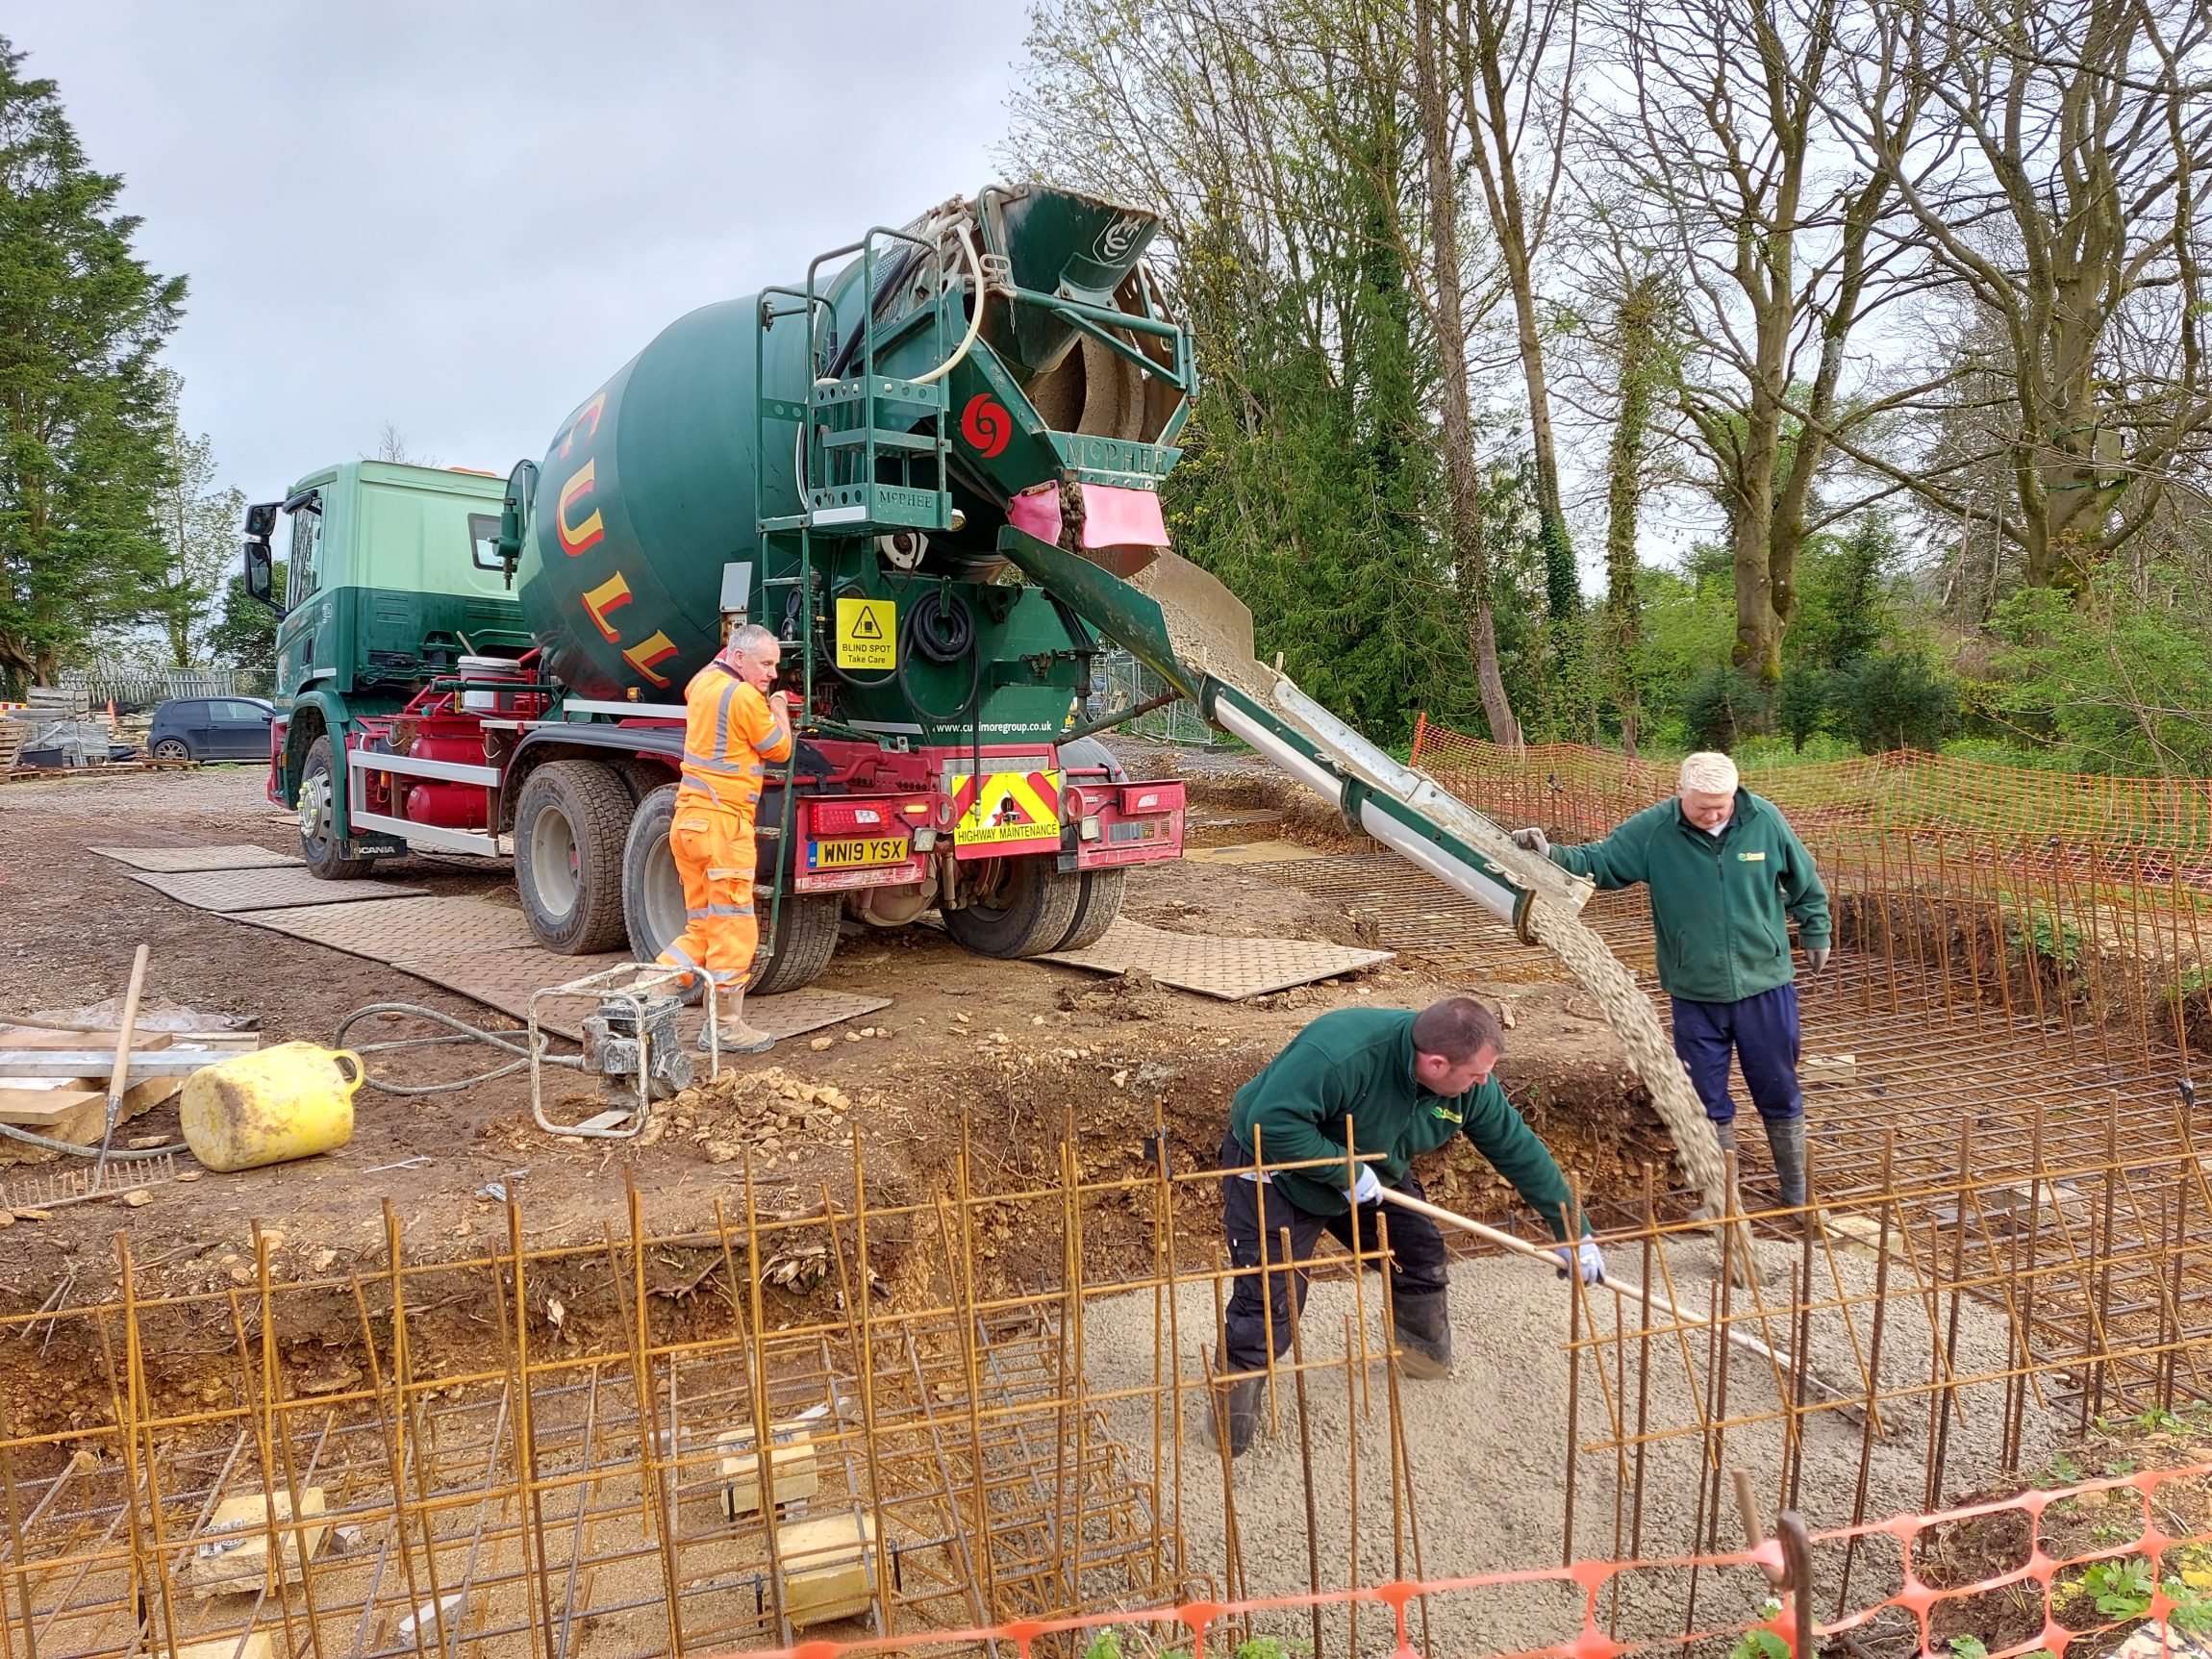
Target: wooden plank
(14,1037)
(31,1103)
(27,1106)
(143,1041)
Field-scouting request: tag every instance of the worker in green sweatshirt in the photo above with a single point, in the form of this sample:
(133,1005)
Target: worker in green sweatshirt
(1727,875)
(1391,1084)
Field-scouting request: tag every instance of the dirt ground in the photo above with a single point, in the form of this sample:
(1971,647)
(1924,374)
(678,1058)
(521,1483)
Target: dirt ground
(1019,1048)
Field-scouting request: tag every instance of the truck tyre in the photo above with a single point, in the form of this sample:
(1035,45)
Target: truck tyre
(1026,912)
(652,892)
(328,857)
(569,828)
(806,939)
(1095,908)
(653,906)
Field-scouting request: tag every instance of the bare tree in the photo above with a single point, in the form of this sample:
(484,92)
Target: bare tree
(2051,155)
(1514,61)
(1718,130)
(1447,286)
(1238,119)
(392,446)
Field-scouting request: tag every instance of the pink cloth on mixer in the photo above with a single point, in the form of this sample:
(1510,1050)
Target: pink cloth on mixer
(1111,518)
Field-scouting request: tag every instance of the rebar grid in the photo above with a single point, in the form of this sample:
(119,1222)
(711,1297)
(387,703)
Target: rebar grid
(958,1413)
(2003,1249)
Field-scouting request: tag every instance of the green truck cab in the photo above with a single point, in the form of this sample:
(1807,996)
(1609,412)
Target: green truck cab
(392,578)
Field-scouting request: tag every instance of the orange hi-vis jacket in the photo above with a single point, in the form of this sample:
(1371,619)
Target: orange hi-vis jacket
(730,736)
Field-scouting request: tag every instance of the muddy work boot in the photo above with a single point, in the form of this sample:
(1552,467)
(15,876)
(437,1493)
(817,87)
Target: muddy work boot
(1423,1321)
(1238,1406)
(1786,1141)
(735,1036)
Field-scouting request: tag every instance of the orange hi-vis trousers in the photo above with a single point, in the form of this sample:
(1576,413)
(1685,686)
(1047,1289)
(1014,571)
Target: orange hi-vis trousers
(715,856)
(731,733)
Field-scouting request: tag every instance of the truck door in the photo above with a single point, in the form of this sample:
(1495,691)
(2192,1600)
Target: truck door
(306,605)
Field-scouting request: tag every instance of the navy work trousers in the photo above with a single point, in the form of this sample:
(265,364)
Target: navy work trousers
(1253,1214)
(1762,1031)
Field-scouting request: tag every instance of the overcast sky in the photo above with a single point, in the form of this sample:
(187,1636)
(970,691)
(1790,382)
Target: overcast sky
(461,217)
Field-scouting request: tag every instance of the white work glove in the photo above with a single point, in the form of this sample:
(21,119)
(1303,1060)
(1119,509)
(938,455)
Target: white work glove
(1815,957)
(1584,1258)
(1366,1188)
(1532,840)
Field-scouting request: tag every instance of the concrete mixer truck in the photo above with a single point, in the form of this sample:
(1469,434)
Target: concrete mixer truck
(931,465)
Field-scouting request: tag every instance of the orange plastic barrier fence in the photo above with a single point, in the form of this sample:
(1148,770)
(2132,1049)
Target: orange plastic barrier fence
(2122,1584)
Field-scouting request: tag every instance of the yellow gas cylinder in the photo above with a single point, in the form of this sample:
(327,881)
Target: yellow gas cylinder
(291,1101)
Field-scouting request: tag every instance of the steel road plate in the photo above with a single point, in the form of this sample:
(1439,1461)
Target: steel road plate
(230,891)
(174,860)
(1230,968)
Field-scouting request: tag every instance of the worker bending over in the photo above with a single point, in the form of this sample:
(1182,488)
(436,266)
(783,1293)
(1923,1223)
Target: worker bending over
(733,728)
(1727,875)
(1395,1083)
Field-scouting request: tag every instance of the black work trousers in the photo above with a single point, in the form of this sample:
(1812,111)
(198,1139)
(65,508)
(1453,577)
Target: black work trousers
(1253,1212)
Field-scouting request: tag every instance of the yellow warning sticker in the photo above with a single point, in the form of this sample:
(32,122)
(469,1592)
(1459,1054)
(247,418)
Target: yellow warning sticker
(1006,807)
(865,630)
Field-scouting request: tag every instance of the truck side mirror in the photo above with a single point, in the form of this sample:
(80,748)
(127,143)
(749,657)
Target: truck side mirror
(261,561)
(514,515)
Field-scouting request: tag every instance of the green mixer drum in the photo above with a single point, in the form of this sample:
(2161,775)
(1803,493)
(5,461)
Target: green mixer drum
(648,488)
(646,493)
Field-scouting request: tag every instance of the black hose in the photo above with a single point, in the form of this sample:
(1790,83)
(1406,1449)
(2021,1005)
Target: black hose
(939,628)
(461,1032)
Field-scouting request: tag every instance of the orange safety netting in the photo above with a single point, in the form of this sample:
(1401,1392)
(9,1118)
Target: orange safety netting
(2144,1578)
(1902,788)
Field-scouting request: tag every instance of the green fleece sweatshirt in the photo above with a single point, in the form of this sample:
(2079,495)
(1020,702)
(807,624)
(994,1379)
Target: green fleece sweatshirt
(1357,1064)
(1720,905)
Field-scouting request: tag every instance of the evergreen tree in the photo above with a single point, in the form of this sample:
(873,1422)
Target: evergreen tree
(83,435)
(244,636)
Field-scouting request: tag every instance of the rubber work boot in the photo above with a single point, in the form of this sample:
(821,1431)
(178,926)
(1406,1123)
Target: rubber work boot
(1238,1405)
(733,1033)
(1423,1321)
(1786,1141)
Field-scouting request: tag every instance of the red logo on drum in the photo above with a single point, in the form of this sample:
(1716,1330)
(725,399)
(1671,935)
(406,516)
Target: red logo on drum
(986,425)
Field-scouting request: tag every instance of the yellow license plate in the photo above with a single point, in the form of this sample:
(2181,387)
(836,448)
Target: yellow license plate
(857,853)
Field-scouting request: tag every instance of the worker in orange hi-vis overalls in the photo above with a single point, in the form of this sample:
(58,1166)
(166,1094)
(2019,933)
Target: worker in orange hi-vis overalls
(733,728)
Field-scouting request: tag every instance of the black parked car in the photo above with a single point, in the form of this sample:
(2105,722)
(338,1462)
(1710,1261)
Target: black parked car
(210,729)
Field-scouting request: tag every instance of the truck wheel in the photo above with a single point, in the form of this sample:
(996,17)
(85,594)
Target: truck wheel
(570,827)
(328,857)
(653,905)
(1023,907)
(652,892)
(806,939)
(1099,903)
